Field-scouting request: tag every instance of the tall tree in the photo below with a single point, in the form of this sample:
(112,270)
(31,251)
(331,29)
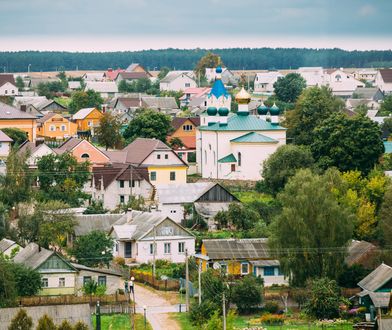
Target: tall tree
(311,234)
(149,124)
(108,131)
(385,225)
(349,143)
(163,72)
(288,88)
(8,292)
(386,106)
(17,135)
(19,83)
(312,107)
(85,99)
(209,60)
(27,280)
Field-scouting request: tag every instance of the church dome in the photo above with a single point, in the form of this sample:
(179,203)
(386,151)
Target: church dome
(212,111)
(243,97)
(262,109)
(274,110)
(218,69)
(223,111)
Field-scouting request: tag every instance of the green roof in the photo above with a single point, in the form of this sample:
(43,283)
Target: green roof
(228,159)
(243,123)
(253,137)
(388,147)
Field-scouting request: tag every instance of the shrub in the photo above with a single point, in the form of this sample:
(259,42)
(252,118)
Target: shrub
(271,319)
(247,294)
(21,321)
(65,325)
(119,261)
(200,314)
(46,323)
(101,290)
(272,307)
(81,326)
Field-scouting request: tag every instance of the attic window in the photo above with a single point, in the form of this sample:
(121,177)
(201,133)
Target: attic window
(338,77)
(85,156)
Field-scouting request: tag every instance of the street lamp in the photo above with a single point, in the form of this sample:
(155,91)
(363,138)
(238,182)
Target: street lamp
(145,317)
(132,289)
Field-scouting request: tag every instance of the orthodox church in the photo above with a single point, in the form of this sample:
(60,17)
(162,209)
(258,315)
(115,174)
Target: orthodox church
(234,146)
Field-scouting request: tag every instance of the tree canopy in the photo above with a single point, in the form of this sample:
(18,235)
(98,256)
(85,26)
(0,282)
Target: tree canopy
(288,88)
(85,99)
(17,135)
(108,131)
(209,60)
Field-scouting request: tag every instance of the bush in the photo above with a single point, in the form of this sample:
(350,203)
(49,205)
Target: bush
(119,261)
(200,314)
(21,321)
(81,326)
(247,294)
(272,307)
(65,325)
(46,323)
(271,319)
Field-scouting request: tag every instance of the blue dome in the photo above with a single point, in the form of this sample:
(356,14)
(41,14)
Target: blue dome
(274,110)
(218,69)
(262,109)
(212,111)
(223,111)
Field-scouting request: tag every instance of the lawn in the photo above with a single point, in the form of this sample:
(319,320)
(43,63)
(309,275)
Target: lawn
(251,195)
(121,322)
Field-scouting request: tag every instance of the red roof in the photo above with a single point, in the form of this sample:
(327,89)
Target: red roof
(4,78)
(196,92)
(386,75)
(112,74)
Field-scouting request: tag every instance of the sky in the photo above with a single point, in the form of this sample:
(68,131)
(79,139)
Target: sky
(111,25)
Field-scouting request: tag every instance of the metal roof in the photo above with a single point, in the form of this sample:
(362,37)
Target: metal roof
(379,299)
(388,147)
(219,89)
(82,113)
(265,263)
(243,123)
(377,278)
(182,193)
(236,249)
(8,112)
(102,86)
(4,137)
(86,223)
(5,244)
(358,251)
(253,137)
(228,159)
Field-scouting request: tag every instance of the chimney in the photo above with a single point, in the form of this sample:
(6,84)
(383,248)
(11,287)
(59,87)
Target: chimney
(23,107)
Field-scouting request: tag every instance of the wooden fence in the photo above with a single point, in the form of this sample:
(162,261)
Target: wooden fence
(165,285)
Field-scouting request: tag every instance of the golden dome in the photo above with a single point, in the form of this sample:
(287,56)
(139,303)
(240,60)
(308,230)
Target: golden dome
(243,97)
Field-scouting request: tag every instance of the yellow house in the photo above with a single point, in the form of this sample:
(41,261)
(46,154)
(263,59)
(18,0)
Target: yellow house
(11,117)
(55,126)
(240,257)
(87,119)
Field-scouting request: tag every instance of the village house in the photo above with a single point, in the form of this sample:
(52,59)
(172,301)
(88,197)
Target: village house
(342,84)
(111,74)
(131,76)
(227,77)
(368,93)
(264,81)
(38,105)
(8,85)
(136,67)
(87,119)
(384,80)
(55,126)
(240,257)
(127,104)
(10,117)
(205,198)
(106,89)
(137,233)
(314,76)
(5,145)
(34,150)
(163,164)
(94,76)
(366,74)
(74,85)
(114,185)
(195,95)
(165,104)
(177,81)
(9,248)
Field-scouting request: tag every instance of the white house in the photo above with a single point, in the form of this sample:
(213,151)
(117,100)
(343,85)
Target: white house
(9,247)
(234,146)
(94,76)
(105,88)
(226,76)
(208,198)
(384,80)
(177,81)
(264,81)
(342,84)
(7,85)
(114,185)
(136,235)
(366,74)
(5,145)
(35,151)
(314,76)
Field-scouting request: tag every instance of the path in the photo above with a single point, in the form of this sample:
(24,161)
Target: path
(156,309)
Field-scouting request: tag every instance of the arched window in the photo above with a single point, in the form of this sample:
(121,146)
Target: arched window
(338,77)
(239,159)
(85,156)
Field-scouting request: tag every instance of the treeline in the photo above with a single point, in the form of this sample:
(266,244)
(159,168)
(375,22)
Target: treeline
(234,58)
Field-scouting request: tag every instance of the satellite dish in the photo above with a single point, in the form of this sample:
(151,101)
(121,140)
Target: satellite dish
(164,278)
(216,265)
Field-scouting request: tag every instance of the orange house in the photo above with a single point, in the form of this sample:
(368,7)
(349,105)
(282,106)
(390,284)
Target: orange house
(11,117)
(87,119)
(54,125)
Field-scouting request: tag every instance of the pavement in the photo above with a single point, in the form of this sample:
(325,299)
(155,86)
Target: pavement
(157,309)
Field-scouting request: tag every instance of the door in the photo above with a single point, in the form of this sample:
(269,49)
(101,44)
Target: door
(128,250)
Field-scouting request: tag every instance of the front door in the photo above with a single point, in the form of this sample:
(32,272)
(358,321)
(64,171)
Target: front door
(128,250)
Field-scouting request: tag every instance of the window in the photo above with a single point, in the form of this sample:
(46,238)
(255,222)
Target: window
(128,249)
(166,248)
(62,282)
(181,247)
(52,128)
(233,167)
(86,279)
(239,159)
(121,183)
(122,199)
(151,248)
(166,156)
(187,128)
(269,271)
(173,211)
(6,92)
(116,247)
(153,176)
(244,268)
(158,156)
(102,280)
(63,128)
(181,154)
(172,176)
(90,123)
(187,84)
(85,156)
(13,92)
(224,268)
(44,283)
(132,183)
(338,77)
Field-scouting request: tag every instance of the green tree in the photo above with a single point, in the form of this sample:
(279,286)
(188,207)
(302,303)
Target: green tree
(324,299)
(62,178)
(21,321)
(200,314)
(124,87)
(283,164)
(176,143)
(108,131)
(351,275)
(93,249)
(311,228)
(387,125)
(8,292)
(239,216)
(17,135)
(247,294)
(290,87)
(81,326)
(65,325)
(27,280)
(386,106)
(96,207)
(385,224)
(46,323)
(163,72)
(209,60)
(85,99)
(312,107)
(4,224)
(19,83)
(50,89)
(149,124)
(349,143)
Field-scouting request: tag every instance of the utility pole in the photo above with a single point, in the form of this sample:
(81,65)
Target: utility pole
(224,309)
(98,316)
(186,281)
(153,256)
(200,265)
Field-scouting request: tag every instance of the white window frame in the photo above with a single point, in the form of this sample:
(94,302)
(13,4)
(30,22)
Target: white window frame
(181,247)
(243,264)
(52,128)
(167,248)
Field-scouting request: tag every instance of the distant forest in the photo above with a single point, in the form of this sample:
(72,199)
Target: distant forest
(180,59)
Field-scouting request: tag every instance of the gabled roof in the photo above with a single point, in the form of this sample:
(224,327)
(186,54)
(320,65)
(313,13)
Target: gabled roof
(377,278)
(228,159)
(30,147)
(5,77)
(82,113)
(4,137)
(97,270)
(177,122)
(46,117)
(86,223)
(102,86)
(141,148)
(357,251)
(253,137)
(133,75)
(128,102)
(386,75)
(72,143)
(236,249)
(173,75)
(5,244)
(112,74)
(367,92)
(8,112)
(268,77)
(160,102)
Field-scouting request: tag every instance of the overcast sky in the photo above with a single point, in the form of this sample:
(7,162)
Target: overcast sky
(143,24)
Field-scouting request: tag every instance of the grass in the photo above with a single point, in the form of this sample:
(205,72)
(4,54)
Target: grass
(250,196)
(183,320)
(121,322)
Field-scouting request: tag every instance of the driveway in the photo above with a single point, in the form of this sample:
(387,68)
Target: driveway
(157,308)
